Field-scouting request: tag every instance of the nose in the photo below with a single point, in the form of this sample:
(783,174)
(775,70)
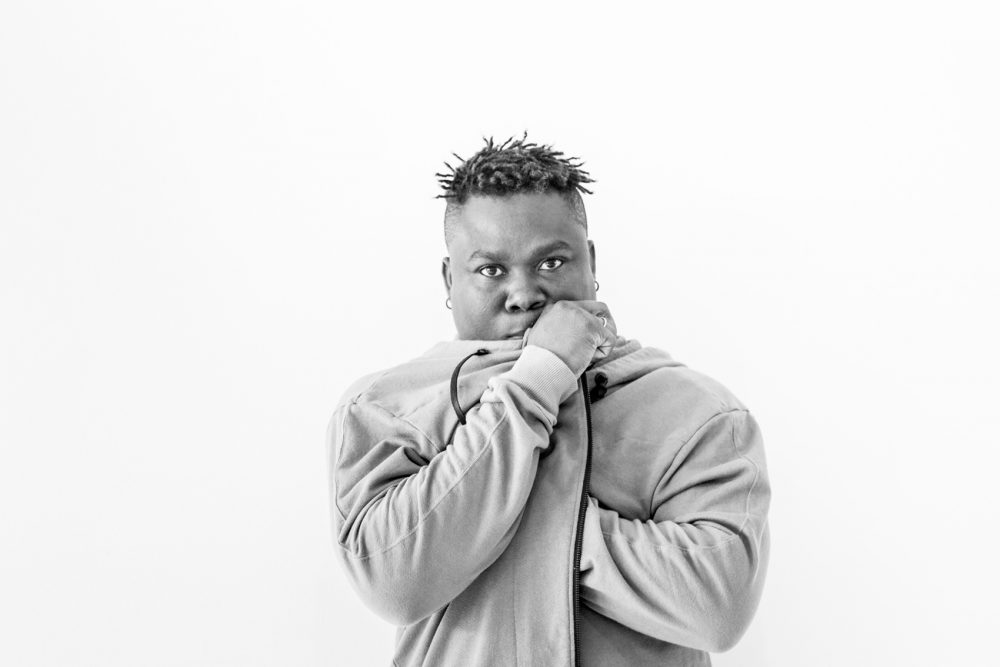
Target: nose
(523,295)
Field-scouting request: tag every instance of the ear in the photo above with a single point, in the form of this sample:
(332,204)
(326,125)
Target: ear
(446,274)
(593,258)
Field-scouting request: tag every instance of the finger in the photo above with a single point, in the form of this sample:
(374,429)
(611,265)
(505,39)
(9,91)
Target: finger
(594,307)
(605,329)
(602,315)
(609,336)
(598,309)
(608,325)
(606,345)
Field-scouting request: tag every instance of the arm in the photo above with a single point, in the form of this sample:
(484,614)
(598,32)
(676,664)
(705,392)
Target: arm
(413,534)
(693,574)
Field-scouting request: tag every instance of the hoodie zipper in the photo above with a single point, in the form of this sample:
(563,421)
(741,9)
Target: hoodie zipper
(578,544)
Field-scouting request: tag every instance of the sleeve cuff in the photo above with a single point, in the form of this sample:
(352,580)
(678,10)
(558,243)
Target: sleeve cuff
(543,375)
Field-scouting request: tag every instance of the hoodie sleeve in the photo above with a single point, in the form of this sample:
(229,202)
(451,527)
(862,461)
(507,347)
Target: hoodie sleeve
(693,574)
(412,534)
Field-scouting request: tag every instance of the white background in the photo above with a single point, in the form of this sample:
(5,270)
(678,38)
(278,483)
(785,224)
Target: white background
(215,215)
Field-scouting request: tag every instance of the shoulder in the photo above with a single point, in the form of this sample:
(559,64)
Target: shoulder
(687,401)
(423,382)
(693,388)
(415,395)
(359,387)
(379,387)
(370,409)
(656,375)
(664,396)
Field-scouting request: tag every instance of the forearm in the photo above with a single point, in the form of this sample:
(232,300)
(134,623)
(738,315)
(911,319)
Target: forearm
(411,536)
(690,585)
(693,573)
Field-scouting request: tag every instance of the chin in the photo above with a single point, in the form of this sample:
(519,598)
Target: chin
(482,335)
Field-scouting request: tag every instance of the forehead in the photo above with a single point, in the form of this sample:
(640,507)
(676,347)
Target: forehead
(515,221)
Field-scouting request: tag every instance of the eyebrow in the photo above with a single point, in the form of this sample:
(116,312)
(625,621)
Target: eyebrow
(501,256)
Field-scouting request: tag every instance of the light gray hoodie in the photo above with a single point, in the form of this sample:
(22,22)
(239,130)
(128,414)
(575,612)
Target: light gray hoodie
(485,543)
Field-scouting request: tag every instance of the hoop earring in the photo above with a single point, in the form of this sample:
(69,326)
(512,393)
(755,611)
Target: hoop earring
(597,285)
(447,303)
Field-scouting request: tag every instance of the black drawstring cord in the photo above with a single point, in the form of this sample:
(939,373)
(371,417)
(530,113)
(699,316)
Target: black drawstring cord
(458,406)
(454,384)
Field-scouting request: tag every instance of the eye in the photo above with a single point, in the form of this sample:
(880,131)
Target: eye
(550,264)
(491,271)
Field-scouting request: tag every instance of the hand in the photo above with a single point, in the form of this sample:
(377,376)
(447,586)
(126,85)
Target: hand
(575,332)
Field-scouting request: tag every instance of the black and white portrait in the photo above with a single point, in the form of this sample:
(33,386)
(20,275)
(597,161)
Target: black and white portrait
(520,334)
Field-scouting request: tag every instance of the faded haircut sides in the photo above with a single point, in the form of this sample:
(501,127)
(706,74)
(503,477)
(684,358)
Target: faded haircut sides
(513,167)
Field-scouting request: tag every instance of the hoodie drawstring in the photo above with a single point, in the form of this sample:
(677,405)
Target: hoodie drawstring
(454,384)
(458,406)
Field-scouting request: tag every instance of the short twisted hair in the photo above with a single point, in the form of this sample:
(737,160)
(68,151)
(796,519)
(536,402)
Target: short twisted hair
(515,166)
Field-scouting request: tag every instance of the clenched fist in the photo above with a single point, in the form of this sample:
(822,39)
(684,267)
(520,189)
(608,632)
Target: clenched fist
(578,332)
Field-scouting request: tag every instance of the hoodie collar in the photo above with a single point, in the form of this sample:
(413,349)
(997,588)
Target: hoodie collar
(629,360)
(626,361)
(459,347)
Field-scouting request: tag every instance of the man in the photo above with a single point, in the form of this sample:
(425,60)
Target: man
(542,491)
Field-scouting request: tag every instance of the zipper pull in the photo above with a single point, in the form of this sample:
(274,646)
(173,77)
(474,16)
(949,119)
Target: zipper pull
(600,387)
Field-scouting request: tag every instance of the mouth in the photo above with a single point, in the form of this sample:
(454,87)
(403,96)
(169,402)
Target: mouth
(519,332)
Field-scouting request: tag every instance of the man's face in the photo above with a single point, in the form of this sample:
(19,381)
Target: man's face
(509,258)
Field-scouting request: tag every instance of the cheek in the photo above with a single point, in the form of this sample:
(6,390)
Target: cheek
(574,287)
(488,300)
(479,300)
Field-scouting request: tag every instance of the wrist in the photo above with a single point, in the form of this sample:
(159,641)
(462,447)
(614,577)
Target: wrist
(543,374)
